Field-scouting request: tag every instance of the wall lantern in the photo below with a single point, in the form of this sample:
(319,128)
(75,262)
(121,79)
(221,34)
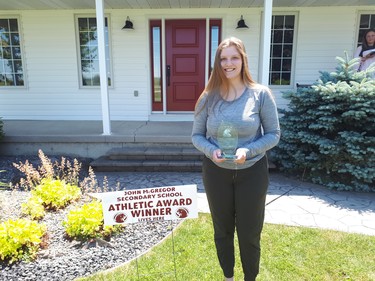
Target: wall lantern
(241,24)
(128,24)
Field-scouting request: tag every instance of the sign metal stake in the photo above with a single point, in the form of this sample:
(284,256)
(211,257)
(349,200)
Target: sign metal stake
(173,253)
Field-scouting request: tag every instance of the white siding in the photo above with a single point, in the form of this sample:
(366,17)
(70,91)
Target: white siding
(51,64)
(323,35)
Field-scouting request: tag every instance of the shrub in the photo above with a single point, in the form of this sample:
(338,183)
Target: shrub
(63,170)
(54,186)
(20,239)
(328,132)
(56,194)
(50,194)
(87,222)
(34,208)
(3,184)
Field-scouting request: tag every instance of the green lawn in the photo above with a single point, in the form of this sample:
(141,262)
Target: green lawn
(288,253)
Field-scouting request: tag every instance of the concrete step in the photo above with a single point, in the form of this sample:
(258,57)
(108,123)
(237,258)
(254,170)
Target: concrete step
(103,164)
(151,157)
(161,152)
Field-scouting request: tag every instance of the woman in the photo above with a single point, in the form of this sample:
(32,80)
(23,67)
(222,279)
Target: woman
(236,188)
(367,50)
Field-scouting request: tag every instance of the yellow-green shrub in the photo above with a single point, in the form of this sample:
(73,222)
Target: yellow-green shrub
(87,222)
(33,208)
(3,184)
(20,239)
(56,194)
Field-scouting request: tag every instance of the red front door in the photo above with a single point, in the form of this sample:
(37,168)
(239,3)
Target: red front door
(185,62)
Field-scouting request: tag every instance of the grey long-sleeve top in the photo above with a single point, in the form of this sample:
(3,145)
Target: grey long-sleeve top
(255,116)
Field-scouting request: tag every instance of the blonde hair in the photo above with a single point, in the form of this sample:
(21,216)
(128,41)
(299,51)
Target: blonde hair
(218,82)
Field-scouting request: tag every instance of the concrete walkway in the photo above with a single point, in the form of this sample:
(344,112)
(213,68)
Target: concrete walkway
(289,202)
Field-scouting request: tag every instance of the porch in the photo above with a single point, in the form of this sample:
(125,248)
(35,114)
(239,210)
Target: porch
(132,145)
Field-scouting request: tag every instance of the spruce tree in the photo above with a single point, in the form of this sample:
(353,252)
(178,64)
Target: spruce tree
(328,131)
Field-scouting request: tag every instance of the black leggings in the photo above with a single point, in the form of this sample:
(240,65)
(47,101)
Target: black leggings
(237,200)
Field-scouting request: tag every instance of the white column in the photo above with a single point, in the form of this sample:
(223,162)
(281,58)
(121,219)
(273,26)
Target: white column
(265,45)
(103,67)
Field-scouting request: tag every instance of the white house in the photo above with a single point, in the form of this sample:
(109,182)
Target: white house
(50,52)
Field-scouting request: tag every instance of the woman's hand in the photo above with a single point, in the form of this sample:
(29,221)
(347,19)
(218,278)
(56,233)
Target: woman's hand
(217,157)
(241,156)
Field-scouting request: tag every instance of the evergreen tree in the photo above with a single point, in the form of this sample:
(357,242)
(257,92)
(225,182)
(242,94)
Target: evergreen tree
(328,131)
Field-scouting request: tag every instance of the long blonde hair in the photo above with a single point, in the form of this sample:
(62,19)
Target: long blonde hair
(218,82)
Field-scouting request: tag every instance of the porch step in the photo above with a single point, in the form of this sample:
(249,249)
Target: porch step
(151,158)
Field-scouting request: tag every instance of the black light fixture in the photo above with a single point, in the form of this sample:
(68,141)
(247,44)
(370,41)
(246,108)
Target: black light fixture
(128,24)
(241,24)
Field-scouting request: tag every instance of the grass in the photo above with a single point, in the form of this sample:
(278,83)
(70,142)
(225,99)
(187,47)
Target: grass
(288,253)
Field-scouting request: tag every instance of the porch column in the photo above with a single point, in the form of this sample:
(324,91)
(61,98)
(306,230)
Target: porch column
(265,45)
(99,7)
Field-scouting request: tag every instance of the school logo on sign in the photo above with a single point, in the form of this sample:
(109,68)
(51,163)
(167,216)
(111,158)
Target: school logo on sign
(120,217)
(182,213)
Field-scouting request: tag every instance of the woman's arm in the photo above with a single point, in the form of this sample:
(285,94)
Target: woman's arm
(270,124)
(199,131)
(357,52)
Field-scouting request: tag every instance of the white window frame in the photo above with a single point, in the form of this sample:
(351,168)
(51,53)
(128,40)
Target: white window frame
(294,54)
(358,27)
(79,60)
(24,86)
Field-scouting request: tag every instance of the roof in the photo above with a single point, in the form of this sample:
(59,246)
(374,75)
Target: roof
(170,4)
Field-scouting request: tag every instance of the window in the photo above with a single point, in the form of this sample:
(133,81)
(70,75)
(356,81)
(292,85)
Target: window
(282,37)
(366,22)
(89,54)
(11,68)
(156,65)
(215,38)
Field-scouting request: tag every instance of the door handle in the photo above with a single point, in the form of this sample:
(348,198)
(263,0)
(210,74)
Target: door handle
(168,75)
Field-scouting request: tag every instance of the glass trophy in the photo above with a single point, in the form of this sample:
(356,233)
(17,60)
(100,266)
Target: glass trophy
(227,136)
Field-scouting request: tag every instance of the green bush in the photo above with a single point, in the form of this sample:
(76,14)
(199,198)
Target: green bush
(328,131)
(20,239)
(56,194)
(3,184)
(34,208)
(88,222)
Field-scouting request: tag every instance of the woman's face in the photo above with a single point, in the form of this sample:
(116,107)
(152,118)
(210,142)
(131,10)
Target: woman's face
(231,62)
(370,38)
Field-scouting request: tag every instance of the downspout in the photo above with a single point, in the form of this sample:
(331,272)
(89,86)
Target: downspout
(99,7)
(265,46)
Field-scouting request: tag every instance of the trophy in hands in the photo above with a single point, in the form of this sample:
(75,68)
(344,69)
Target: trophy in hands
(227,136)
